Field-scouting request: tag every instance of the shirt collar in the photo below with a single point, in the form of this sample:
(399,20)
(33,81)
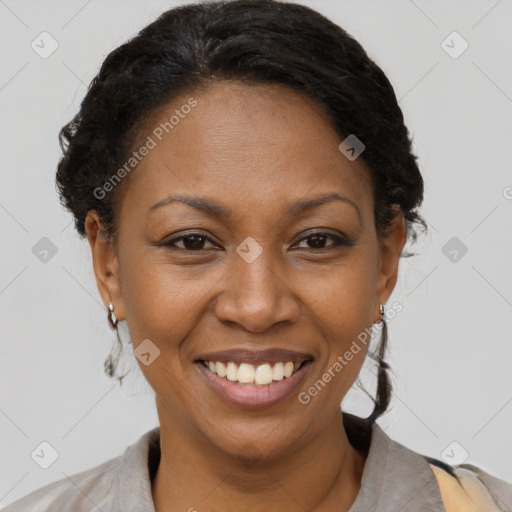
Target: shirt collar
(395,478)
(132,481)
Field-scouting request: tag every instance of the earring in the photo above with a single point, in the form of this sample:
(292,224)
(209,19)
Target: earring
(111,317)
(381,311)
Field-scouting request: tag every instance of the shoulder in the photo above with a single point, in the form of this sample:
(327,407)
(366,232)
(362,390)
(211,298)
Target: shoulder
(121,484)
(82,491)
(395,474)
(470,488)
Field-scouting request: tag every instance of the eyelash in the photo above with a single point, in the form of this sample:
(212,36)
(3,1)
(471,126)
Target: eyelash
(339,241)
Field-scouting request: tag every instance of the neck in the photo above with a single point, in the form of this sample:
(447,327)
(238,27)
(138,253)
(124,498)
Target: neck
(322,474)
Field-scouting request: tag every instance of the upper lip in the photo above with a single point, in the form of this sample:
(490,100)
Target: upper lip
(257,357)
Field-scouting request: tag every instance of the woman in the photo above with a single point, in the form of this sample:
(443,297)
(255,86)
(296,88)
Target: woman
(245,180)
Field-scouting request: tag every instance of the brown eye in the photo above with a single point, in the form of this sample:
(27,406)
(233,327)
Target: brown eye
(319,241)
(191,242)
(195,242)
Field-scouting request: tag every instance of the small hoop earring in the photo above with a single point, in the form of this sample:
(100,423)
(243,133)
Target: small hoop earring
(111,316)
(381,311)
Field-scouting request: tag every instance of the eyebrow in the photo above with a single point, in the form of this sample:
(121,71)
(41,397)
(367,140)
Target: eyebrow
(216,209)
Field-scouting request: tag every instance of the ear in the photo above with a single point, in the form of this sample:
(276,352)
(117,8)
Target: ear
(390,249)
(105,264)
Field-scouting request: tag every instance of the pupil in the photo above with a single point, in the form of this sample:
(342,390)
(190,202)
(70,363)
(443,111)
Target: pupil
(197,242)
(317,238)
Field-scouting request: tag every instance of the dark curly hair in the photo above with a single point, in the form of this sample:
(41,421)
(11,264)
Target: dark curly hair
(252,42)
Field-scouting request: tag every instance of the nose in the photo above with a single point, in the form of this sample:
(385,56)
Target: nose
(257,295)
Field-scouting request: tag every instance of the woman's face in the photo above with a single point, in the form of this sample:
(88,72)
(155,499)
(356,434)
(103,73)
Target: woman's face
(263,267)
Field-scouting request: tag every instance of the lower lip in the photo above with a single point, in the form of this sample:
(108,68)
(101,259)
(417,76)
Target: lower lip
(254,397)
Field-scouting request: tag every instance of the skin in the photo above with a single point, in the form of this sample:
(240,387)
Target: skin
(255,149)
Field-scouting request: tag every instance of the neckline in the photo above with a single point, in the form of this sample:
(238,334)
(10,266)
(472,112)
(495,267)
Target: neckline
(392,472)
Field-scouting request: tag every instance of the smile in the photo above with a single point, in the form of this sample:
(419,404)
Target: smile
(254,386)
(248,374)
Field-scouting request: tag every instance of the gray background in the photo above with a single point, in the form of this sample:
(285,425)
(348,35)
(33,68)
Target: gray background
(450,347)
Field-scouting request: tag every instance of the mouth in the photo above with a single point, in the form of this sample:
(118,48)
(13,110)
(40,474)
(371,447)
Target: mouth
(254,379)
(247,374)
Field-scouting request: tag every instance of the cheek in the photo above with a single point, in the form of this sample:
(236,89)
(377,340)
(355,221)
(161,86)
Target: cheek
(344,312)
(162,306)
(344,295)
(164,302)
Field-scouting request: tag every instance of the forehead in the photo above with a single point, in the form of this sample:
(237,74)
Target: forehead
(250,146)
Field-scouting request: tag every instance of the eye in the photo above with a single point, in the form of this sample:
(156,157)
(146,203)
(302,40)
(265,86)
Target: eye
(317,240)
(191,242)
(196,241)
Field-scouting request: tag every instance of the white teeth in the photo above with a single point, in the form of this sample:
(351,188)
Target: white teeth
(278,371)
(288,369)
(246,373)
(263,374)
(220,369)
(232,371)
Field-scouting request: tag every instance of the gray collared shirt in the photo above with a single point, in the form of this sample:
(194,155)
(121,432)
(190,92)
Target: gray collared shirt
(395,479)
